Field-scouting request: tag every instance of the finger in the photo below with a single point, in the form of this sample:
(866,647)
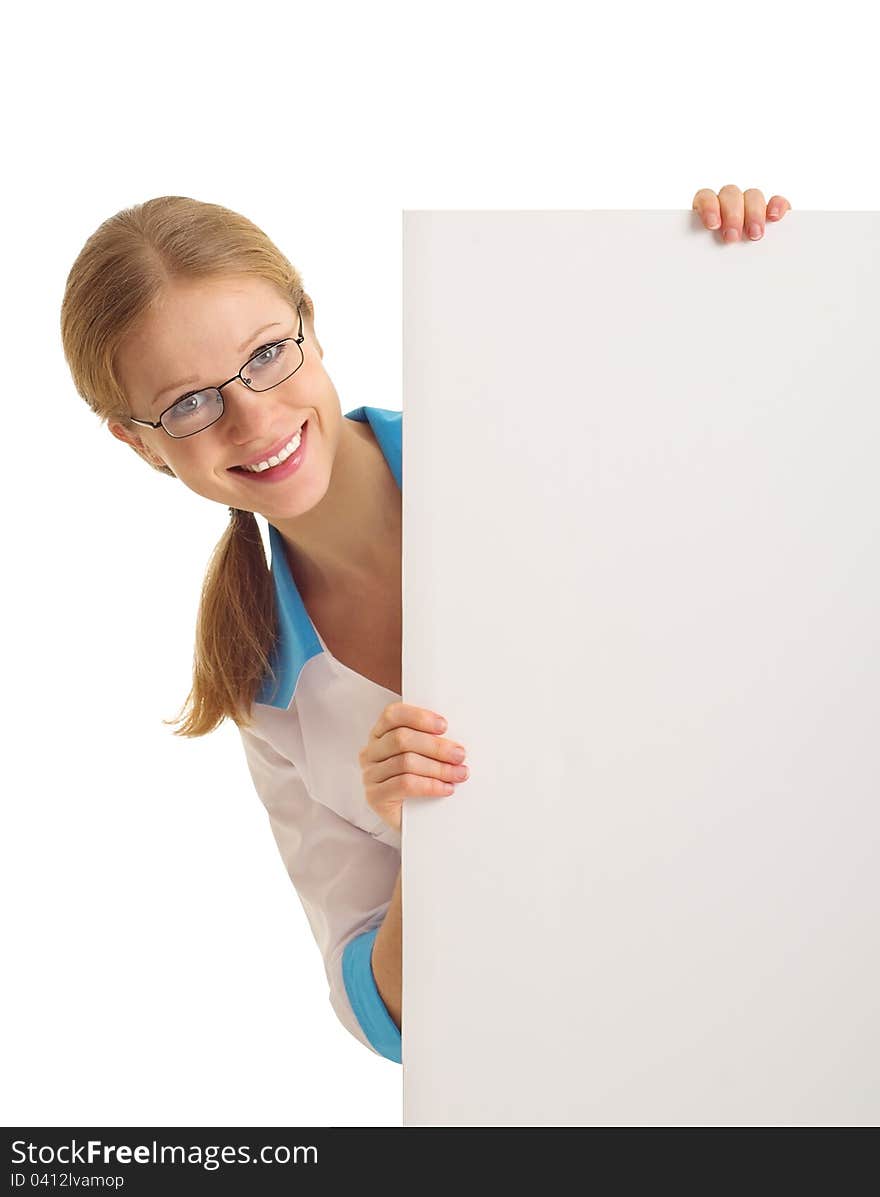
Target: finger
(777,207)
(407,739)
(416,764)
(754,216)
(707,208)
(732,211)
(387,797)
(404,714)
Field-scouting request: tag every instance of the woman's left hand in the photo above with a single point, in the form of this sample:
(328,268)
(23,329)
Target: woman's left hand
(738,213)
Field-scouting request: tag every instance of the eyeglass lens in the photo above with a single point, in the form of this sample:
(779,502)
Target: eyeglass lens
(268,368)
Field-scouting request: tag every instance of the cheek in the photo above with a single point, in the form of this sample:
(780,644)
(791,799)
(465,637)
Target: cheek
(196,469)
(314,379)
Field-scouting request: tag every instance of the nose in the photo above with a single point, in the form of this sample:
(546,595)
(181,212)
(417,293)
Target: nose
(245,412)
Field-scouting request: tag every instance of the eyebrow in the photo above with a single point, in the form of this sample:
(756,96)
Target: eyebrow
(186,382)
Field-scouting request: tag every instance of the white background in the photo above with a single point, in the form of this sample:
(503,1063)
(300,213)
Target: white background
(159,969)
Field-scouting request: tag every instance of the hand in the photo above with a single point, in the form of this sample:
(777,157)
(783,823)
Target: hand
(405,758)
(736,212)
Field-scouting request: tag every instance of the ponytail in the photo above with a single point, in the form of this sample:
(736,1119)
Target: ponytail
(235,631)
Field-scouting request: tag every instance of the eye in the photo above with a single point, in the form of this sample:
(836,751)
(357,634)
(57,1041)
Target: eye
(190,405)
(267,355)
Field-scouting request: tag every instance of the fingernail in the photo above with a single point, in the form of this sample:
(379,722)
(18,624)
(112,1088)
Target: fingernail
(755,232)
(440,723)
(774,212)
(731,235)
(714,222)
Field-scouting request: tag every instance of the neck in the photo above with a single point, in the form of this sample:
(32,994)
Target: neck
(350,541)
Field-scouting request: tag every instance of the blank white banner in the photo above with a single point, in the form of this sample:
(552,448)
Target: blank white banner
(641,580)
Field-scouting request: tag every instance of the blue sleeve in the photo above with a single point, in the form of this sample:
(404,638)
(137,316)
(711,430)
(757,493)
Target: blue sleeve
(360,985)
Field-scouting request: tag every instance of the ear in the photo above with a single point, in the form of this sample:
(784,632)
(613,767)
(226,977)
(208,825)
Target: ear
(131,438)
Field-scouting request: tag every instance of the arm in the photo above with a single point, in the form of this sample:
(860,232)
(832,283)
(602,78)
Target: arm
(387,956)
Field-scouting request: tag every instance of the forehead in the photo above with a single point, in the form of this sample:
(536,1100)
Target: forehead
(212,310)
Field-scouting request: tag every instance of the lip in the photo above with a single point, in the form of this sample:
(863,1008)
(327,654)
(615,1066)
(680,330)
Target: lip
(275,449)
(280,472)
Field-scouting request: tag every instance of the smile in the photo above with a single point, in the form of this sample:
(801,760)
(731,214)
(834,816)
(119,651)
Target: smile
(278,465)
(291,447)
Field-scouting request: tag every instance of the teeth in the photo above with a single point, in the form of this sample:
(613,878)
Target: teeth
(290,447)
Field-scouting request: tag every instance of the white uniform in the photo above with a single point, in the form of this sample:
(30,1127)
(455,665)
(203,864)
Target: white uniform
(309,726)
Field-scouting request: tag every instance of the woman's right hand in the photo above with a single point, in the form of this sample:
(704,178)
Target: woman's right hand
(406,758)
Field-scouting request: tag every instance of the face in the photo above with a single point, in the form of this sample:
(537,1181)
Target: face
(199,334)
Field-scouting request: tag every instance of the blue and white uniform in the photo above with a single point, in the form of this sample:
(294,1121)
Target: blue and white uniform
(309,726)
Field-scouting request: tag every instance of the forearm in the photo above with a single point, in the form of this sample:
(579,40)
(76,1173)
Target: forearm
(387,959)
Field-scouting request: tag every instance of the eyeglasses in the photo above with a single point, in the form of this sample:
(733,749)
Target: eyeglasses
(271,365)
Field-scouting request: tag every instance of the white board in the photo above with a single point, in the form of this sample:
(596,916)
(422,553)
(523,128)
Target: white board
(641,580)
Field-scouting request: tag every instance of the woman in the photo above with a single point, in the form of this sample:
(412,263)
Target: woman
(191,335)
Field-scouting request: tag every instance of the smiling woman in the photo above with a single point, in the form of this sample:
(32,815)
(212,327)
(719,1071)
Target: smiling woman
(164,301)
(155,286)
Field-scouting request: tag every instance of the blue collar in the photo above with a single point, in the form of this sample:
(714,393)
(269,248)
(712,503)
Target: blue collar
(296,640)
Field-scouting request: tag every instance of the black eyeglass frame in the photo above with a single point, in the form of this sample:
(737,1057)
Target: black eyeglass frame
(298,339)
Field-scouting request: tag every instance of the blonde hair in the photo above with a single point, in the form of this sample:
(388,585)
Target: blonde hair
(118,274)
